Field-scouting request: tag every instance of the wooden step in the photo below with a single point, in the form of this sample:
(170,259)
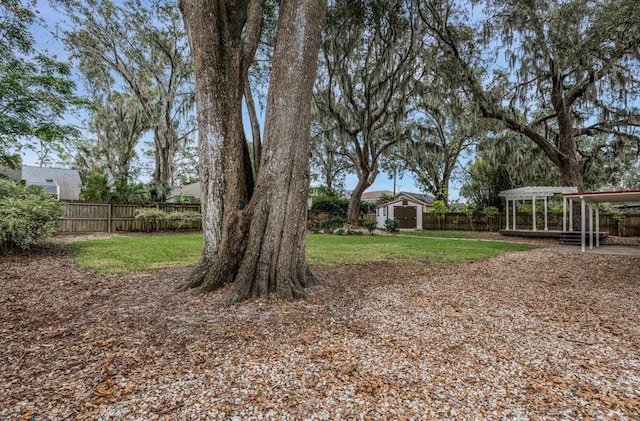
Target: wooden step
(575,237)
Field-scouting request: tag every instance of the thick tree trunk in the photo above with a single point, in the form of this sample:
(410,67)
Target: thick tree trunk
(353,211)
(260,247)
(274,260)
(222,43)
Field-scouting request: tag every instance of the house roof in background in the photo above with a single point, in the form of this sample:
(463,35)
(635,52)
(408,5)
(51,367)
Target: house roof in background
(192,189)
(58,175)
(11,173)
(372,196)
(409,197)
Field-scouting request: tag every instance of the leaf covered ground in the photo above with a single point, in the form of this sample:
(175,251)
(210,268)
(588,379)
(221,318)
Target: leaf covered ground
(542,334)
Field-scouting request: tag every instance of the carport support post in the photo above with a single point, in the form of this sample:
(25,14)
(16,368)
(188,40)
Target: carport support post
(513,202)
(571,218)
(506,212)
(597,226)
(533,208)
(546,220)
(564,214)
(590,227)
(584,223)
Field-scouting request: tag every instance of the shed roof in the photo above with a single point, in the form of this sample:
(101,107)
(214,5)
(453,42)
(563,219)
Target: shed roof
(538,191)
(404,196)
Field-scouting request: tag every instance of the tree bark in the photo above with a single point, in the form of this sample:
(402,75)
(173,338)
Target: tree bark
(256,140)
(223,43)
(353,211)
(274,260)
(259,246)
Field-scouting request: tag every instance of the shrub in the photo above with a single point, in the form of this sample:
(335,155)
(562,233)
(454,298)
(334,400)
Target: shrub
(184,220)
(151,218)
(331,224)
(330,204)
(391,225)
(440,210)
(469,209)
(369,225)
(489,212)
(27,214)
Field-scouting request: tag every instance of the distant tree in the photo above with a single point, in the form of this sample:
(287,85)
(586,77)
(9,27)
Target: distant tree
(570,69)
(365,83)
(328,165)
(35,89)
(443,128)
(141,47)
(504,161)
(118,122)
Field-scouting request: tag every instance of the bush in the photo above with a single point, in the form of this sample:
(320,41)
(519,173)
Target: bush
(151,218)
(391,225)
(27,214)
(369,225)
(184,220)
(440,210)
(331,224)
(331,204)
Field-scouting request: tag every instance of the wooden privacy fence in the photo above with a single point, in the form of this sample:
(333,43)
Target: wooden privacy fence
(479,222)
(524,221)
(86,217)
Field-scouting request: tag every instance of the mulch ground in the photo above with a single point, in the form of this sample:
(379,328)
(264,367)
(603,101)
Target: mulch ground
(529,335)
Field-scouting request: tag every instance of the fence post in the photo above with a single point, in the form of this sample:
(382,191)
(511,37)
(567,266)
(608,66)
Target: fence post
(109,218)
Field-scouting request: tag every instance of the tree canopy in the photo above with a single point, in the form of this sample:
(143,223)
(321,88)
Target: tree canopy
(140,50)
(35,89)
(568,74)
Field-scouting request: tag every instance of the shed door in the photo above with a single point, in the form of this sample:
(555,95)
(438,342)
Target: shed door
(406,216)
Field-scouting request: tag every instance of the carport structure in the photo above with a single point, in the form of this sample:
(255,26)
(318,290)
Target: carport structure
(588,208)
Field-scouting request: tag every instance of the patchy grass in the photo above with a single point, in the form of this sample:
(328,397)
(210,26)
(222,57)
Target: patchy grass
(121,255)
(325,250)
(437,234)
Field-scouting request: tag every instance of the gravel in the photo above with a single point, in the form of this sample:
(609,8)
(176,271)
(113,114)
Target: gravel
(529,335)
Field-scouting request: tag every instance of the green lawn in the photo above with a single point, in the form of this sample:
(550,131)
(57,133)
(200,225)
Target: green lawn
(438,234)
(333,249)
(121,255)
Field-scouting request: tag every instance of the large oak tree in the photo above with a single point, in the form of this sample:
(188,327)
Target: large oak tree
(569,72)
(254,238)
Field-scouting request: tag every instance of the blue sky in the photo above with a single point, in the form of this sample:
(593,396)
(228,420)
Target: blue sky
(46,41)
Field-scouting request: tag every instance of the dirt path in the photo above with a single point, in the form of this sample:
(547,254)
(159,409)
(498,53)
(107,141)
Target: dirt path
(520,336)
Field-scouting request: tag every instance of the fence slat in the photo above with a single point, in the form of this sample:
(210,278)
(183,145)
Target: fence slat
(85,217)
(524,221)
